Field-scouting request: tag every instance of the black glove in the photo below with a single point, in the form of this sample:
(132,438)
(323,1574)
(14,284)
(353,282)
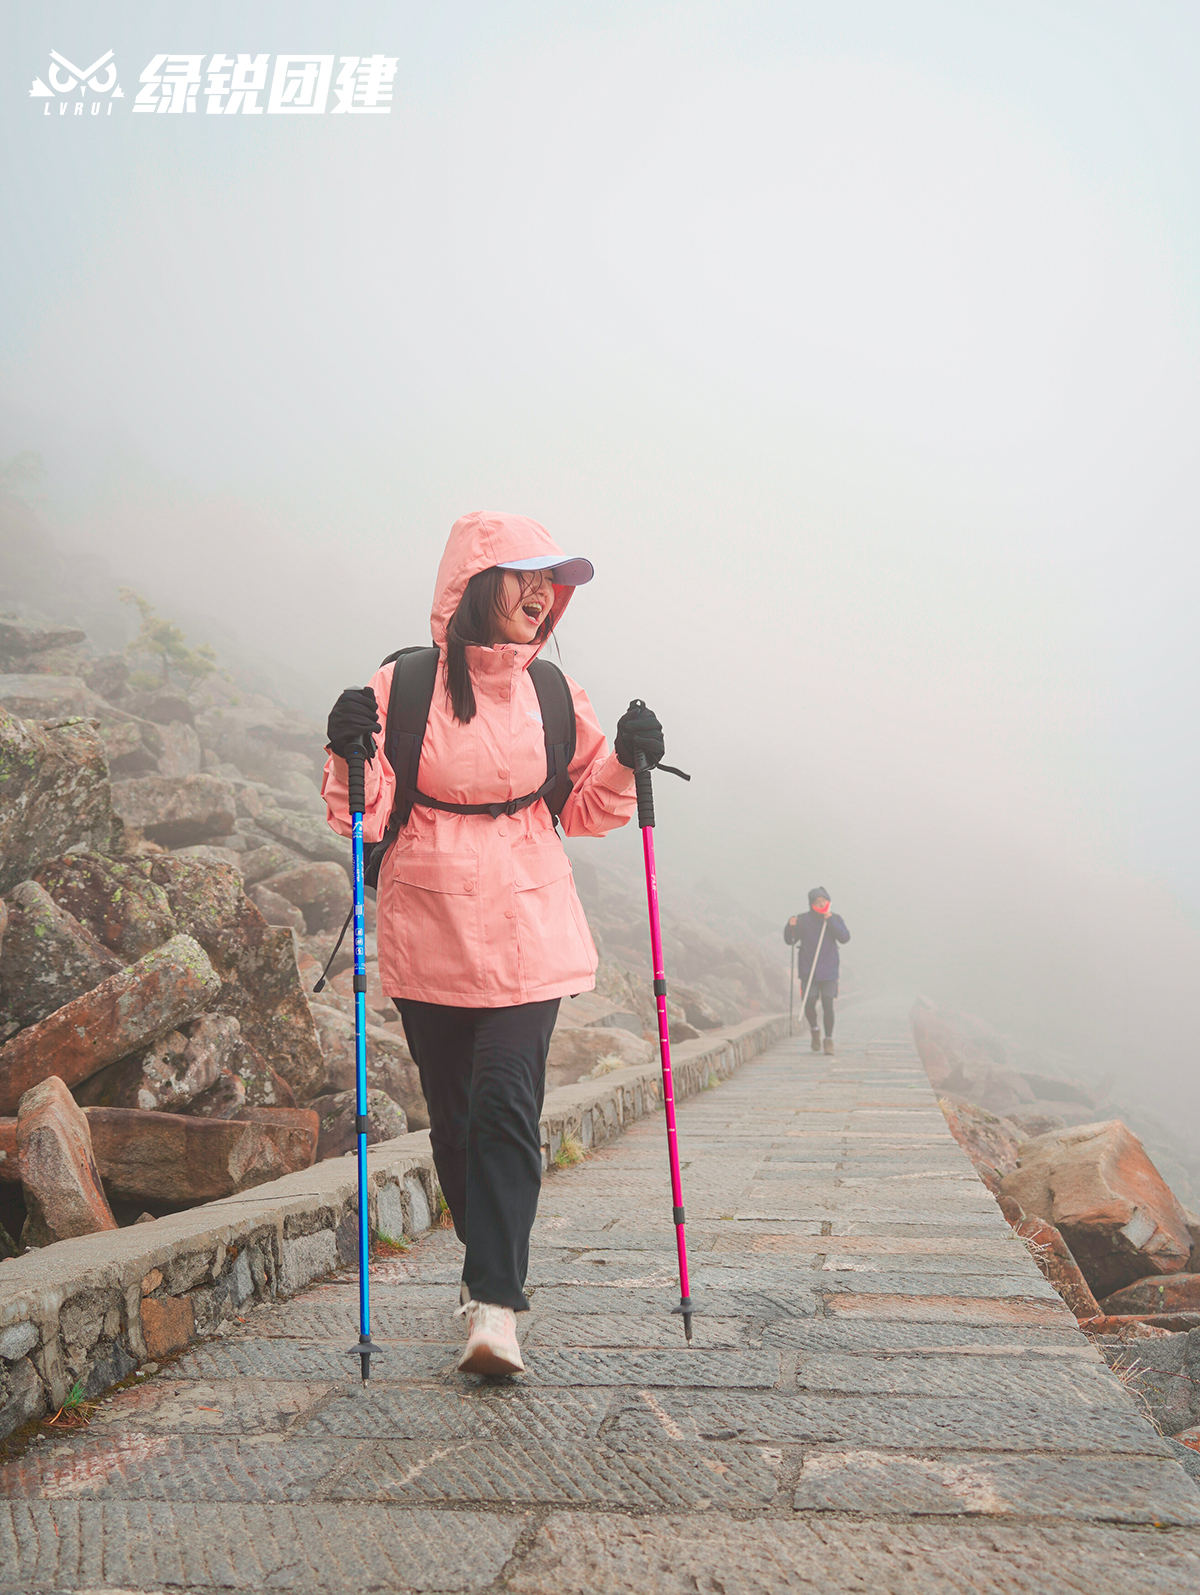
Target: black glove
(639,731)
(355,714)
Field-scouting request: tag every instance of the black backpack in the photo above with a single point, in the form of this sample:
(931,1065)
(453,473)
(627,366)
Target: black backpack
(413,681)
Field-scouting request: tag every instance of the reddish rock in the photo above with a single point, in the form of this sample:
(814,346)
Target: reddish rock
(321,892)
(1169,1293)
(116,899)
(990,1142)
(175,1158)
(127,1011)
(10,1174)
(168,1323)
(1115,1211)
(277,910)
(1053,1256)
(63,1194)
(47,960)
(54,795)
(338,1118)
(390,1067)
(176,810)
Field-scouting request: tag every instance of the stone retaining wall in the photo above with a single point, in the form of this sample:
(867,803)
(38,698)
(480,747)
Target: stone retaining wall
(88,1312)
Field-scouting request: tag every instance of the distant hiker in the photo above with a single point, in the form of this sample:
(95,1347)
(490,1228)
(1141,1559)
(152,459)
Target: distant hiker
(480,933)
(804,931)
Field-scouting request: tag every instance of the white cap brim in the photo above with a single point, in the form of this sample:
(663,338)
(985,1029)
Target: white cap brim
(568,572)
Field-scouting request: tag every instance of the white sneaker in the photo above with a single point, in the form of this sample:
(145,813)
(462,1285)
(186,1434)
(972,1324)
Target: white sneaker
(491,1339)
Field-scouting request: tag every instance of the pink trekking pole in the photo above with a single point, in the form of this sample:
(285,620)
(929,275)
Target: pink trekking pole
(645,806)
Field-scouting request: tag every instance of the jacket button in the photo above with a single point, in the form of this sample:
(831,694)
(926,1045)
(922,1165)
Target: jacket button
(508,913)
(500,831)
(469,887)
(504,692)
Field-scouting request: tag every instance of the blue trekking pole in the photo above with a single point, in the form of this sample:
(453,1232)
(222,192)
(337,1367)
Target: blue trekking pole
(356,758)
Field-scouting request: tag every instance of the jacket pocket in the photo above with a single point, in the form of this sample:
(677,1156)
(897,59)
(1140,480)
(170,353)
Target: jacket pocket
(434,919)
(555,942)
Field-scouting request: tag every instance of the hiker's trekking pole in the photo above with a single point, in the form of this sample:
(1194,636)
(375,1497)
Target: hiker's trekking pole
(791,985)
(356,759)
(812,971)
(645,805)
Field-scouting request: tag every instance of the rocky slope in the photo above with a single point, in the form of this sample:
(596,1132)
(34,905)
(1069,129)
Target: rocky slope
(1078,1186)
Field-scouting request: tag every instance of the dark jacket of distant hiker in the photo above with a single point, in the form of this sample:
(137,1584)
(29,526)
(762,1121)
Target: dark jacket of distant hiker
(809,928)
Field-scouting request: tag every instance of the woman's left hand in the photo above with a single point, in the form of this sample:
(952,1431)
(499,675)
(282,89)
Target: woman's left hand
(639,731)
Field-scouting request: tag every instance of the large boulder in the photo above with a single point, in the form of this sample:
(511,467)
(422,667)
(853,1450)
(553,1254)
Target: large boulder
(338,1119)
(23,648)
(390,1066)
(47,959)
(54,794)
(260,983)
(277,910)
(574,1053)
(321,891)
(271,858)
(173,1159)
(180,754)
(116,899)
(126,1011)
(45,697)
(1115,1211)
(1160,1293)
(63,1194)
(990,1142)
(304,833)
(176,810)
(172,1072)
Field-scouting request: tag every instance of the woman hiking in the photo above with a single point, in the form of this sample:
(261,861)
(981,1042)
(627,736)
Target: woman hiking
(479,930)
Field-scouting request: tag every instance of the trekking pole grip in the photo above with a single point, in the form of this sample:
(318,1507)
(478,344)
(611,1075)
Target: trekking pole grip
(356,777)
(643,782)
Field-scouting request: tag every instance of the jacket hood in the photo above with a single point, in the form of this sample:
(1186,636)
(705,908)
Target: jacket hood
(477,542)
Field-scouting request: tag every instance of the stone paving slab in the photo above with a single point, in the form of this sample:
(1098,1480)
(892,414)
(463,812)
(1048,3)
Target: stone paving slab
(883,1395)
(197,1546)
(881,1483)
(949,1423)
(763,1556)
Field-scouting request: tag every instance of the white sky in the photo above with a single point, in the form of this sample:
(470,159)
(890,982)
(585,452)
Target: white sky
(856,344)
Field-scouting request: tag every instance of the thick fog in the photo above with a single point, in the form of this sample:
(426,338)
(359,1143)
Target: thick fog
(856,345)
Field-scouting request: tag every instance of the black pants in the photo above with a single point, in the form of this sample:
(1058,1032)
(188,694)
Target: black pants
(827,991)
(483,1072)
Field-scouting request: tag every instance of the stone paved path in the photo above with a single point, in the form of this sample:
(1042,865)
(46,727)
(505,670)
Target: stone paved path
(884,1395)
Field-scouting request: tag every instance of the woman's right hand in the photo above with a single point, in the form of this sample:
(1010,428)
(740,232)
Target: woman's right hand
(354,715)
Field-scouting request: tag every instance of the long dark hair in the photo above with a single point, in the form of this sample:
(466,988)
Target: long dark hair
(471,625)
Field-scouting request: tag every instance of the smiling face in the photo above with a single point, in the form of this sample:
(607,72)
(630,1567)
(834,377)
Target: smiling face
(525,600)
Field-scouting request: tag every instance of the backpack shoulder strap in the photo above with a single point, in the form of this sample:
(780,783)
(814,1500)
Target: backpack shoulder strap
(413,681)
(558,727)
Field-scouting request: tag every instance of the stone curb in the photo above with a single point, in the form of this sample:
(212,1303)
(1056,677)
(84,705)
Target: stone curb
(88,1311)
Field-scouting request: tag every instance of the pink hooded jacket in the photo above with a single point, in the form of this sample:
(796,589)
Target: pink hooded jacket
(475,912)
